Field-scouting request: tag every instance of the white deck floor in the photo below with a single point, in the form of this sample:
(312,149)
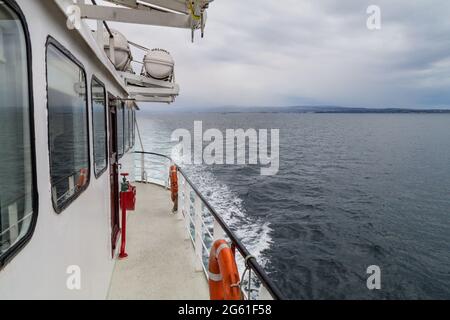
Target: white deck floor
(160,265)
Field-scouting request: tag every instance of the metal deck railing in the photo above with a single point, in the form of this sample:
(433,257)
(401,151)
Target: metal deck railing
(204,225)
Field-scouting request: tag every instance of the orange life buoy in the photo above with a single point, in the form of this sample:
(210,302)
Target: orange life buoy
(174,182)
(224,279)
(82,179)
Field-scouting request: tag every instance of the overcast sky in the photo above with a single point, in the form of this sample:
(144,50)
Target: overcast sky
(311,52)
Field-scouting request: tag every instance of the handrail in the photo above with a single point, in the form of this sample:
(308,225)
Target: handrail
(250,260)
(154,154)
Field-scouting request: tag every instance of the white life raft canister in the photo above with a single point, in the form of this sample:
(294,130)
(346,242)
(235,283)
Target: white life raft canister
(159,64)
(122,51)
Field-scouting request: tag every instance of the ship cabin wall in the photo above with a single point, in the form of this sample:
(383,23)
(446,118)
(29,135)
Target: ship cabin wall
(80,235)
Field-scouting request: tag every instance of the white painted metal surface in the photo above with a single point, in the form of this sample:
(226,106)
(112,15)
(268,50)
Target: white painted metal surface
(135,16)
(170,5)
(81,234)
(187,7)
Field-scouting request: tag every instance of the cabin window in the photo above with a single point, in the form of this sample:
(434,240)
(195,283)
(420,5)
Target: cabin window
(120,130)
(18,198)
(67,126)
(99,128)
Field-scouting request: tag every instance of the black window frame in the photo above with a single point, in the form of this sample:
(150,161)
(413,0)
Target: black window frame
(101,172)
(13,251)
(56,44)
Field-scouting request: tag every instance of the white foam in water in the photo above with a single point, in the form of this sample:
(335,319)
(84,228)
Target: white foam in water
(254,234)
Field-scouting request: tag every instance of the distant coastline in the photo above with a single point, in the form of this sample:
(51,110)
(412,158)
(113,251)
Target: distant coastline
(375,110)
(300,109)
(333,110)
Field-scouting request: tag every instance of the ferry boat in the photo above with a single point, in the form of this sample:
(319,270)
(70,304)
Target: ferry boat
(82,214)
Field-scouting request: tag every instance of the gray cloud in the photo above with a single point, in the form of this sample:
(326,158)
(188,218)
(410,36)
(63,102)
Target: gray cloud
(268,52)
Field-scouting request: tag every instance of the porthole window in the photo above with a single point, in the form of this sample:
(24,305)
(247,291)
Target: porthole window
(18,195)
(99,115)
(67,126)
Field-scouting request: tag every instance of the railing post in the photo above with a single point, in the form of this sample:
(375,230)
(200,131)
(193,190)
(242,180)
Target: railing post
(218,232)
(99,34)
(198,234)
(167,176)
(264,293)
(54,195)
(187,209)
(143,167)
(13,222)
(181,183)
(72,185)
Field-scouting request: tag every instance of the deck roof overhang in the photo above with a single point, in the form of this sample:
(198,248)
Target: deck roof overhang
(179,6)
(164,13)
